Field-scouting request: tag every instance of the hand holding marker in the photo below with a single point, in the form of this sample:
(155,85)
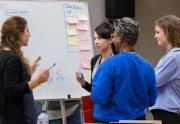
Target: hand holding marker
(35,64)
(52,66)
(38,59)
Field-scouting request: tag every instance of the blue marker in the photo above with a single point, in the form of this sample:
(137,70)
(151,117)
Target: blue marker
(52,66)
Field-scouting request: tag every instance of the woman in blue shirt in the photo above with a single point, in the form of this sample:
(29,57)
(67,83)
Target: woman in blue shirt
(124,85)
(167,107)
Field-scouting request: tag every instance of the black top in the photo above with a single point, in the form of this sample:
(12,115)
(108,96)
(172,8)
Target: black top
(14,86)
(87,85)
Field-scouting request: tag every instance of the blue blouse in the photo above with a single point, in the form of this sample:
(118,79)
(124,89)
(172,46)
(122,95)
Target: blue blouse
(168,81)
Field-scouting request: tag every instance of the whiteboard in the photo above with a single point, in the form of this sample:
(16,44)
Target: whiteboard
(60,33)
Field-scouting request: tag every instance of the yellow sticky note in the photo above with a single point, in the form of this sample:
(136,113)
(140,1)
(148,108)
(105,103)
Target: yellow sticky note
(71,30)
(73,40)
(82,16)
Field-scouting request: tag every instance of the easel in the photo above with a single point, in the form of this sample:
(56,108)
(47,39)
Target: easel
(63,111)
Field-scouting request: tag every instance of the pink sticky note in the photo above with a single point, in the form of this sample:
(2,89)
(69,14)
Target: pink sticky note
(85,60)
(84,46)
(83,35)
(82,26)
(72,20)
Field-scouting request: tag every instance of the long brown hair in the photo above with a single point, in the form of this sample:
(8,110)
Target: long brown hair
(171,27)
(11,32)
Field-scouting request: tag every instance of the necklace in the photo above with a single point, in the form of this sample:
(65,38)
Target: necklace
(127,50)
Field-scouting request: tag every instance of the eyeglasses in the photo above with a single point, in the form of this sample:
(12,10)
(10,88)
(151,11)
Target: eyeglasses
(113,35)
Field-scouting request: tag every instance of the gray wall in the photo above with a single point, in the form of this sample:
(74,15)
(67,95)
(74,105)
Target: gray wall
(147,11)
(96,11)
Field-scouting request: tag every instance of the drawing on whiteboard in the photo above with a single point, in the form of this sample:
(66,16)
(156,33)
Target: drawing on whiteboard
(50,25)
(17,12)
(56,77)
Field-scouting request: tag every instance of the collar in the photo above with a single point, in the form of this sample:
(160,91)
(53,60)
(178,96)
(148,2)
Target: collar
(126,51)
(175,49)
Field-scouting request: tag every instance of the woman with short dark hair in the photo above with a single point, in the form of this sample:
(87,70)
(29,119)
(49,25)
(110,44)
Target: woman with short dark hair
(102,42)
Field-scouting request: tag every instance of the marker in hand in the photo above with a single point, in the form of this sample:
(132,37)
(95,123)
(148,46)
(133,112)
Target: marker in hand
(79,74)
(38,59)
(80,78)
(35,64)
(52,66)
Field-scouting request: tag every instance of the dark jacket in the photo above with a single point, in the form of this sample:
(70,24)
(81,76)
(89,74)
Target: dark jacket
(14,86)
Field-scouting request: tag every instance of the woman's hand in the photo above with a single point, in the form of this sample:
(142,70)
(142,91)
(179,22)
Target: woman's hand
(41,78)
(35,64)
(80,78)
